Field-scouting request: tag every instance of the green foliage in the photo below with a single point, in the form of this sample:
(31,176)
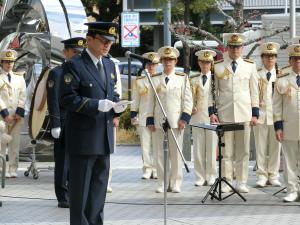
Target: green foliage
(125,122)
(200,6)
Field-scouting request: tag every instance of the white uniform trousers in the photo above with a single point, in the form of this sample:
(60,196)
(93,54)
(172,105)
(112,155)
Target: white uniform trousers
(13,148)
(291,151)
(267,151)
(148,155)
(204,148)
(237,146)
(175,161)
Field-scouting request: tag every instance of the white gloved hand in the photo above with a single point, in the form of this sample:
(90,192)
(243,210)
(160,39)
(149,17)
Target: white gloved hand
(105,105)
(55,132)
(120,108)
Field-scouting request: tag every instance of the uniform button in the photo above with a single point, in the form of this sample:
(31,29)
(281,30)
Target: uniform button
(108,122)
(91,85)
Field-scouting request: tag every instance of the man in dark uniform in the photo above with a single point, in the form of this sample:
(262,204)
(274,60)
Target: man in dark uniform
(57,113)
(89,95)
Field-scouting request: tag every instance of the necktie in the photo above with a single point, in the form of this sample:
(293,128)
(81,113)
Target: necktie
(204,79)
(233,66)
(9,77)
(268,76)
(101,72)
(167,80)
(298,80)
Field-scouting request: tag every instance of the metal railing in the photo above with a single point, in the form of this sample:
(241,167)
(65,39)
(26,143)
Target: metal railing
(262,3)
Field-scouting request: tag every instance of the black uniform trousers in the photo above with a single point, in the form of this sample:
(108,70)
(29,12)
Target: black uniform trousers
(88,184)
(61,171)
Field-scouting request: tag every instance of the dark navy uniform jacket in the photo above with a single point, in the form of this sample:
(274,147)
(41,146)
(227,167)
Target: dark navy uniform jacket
(88,131)
(56,111)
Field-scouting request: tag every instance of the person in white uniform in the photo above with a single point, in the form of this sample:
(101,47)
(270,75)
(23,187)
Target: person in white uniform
(204,141)
(12,103)
(267,147)
(174,91)
(138,114)
(237,101)
(286,116)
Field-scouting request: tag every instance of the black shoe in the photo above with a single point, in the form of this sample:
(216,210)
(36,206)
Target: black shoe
(63,205)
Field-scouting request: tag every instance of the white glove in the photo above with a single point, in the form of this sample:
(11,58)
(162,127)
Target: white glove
(105,105)
(55,132)
(120,108)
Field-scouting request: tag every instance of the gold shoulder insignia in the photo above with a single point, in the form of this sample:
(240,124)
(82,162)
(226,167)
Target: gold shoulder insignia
(19,73)
(285,67)
(219,61)
(180,73)
(248,61)
(140,77)
(157,74)
(195,75)
(282,75)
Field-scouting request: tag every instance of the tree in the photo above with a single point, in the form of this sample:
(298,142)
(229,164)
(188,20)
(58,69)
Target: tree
(234,23)
(183,10)
(109,10)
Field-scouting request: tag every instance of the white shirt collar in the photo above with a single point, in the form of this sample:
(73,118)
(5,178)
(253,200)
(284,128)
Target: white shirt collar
(94,58)
(208,74)
(172,73)
(229,60)
(273,71)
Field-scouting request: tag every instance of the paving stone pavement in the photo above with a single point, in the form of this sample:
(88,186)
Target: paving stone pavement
(134,202)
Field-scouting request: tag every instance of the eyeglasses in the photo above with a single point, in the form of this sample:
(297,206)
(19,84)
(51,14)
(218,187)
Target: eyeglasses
(8,61)
(103,41)
(234,46)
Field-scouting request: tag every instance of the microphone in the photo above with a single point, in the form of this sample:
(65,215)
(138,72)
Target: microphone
(129,54)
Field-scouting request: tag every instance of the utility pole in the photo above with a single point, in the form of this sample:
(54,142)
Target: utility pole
(292,18)
(167,22)
(129,60)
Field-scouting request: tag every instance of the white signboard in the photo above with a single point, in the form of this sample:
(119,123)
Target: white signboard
(130,29)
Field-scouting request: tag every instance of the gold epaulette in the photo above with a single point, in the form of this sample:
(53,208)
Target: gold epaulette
(180,73)
(219,61)
(282,75)
(19,73)
(157,74)
(140,77)
(195,75)
(248,60)
(285,67)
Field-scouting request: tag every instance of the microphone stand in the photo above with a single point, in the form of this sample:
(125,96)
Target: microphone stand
(166,128)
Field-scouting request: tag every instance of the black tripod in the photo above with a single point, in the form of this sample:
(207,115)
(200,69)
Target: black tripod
(215,190)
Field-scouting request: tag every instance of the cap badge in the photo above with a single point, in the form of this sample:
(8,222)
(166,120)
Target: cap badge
(167,51)
(80,43)
(8,54)
(151,57)
(234,38)
(206,54)
(297,49)
(112,31)
(270,47)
